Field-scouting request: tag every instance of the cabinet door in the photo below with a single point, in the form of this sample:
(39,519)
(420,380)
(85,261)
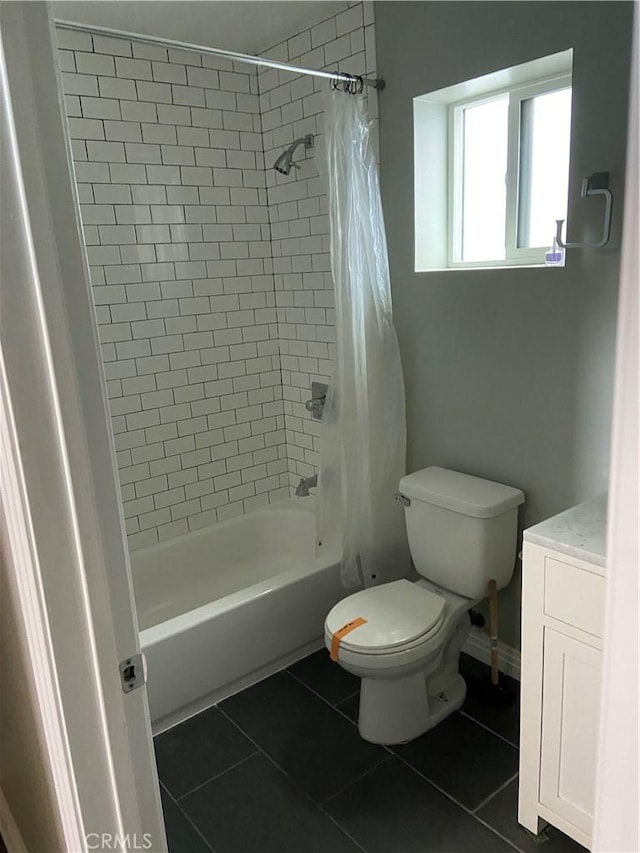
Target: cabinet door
(572,677)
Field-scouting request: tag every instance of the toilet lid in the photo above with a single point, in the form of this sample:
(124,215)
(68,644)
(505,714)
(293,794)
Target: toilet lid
(396,614)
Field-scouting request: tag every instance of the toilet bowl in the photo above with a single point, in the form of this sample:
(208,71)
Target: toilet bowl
(403,639)
(408,664)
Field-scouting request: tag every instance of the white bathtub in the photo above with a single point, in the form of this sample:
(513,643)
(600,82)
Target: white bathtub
(223,607)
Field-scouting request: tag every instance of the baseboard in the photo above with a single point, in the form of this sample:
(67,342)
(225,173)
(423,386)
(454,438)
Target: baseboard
(478,646)
(8,828)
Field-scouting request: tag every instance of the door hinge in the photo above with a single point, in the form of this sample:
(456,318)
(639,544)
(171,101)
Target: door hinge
(133,672)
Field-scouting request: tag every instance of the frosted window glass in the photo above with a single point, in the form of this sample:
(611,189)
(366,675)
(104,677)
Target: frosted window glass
(544,166)
(484,192)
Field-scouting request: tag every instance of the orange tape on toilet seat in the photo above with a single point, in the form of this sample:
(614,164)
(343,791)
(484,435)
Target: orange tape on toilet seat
(337,636)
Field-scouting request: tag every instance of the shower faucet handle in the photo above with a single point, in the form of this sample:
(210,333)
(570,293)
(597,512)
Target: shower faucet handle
(316,404)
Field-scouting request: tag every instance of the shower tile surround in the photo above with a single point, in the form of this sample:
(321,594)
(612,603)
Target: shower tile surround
(210,273)
(291,107)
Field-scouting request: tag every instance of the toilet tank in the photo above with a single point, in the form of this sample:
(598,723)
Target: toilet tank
(462,530)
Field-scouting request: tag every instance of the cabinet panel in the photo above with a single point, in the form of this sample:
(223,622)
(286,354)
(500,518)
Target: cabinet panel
(574,596)
(570,714)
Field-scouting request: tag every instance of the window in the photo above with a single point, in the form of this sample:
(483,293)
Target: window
(509,173)
(492,167)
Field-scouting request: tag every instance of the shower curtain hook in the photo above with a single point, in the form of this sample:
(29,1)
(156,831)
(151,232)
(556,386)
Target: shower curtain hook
(350,84)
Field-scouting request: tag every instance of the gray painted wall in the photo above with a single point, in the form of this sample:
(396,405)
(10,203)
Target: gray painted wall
(509,372)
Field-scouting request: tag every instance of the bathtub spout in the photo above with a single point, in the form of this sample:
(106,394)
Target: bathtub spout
(303,487)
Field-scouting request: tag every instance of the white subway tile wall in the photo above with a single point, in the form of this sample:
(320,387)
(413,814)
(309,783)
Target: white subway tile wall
(168,156)
(291,107)
(210,273)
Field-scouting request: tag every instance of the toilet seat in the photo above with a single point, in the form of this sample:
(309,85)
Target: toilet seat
(399,616)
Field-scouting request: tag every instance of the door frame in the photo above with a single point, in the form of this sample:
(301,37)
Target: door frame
(61,447)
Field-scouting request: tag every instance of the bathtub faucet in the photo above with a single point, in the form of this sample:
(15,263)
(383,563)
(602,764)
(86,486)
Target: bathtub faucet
(302,489)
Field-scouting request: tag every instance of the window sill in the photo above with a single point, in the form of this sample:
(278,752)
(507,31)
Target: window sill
(474,268)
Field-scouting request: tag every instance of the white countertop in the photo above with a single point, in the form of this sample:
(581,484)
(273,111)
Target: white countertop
(580,531)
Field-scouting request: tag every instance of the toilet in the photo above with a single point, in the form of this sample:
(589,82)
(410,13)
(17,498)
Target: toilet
(403,639)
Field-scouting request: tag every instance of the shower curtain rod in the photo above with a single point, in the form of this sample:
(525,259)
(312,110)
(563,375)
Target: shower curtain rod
(339,76)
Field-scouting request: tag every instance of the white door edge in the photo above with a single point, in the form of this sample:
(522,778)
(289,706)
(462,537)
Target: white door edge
(26,591)
(56,388)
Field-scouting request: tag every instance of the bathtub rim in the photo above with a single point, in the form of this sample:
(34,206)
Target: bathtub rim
(288,504)
(232,601)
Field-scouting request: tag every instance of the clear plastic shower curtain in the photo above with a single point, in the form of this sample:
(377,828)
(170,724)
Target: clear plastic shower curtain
(363,437)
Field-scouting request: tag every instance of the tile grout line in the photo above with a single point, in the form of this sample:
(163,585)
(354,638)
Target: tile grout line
(184,814)
(342,829)
(470,812)
(270,205)
(391,753)
(497,833)
(175,63)
(355,692)
(495,793)
(354,782)
(324,699)
(263,752)
(217,776)
(321,805)
(339,711)
(289,778)
(345,715)
(483,726)
(457,803)
(259,750)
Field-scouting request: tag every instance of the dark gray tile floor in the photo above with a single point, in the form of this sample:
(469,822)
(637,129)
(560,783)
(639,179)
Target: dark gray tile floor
(280,768)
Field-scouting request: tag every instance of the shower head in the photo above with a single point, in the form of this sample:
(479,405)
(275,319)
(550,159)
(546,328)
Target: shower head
(285,161)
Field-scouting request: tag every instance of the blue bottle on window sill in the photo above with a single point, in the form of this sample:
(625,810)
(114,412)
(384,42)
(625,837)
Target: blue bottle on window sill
(555,256)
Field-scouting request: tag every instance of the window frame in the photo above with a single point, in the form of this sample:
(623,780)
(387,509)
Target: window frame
(514,255)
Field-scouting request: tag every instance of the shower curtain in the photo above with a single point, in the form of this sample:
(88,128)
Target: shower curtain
(363,437)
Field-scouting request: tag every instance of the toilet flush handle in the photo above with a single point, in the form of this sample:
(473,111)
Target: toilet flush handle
(402,499)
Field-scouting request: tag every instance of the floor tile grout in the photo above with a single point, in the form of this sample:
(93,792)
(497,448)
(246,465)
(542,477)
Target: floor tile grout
(343,830)
(487,728)
(327,702)
(216,776)
(495,793)
(276,765)
(355,692)
(185,815)
(390,753)
(496,832)
(320,806)
(320,696)
(456,802)
(354,781)
(346,698)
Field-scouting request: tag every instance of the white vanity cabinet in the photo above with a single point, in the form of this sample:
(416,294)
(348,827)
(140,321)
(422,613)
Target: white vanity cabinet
(563,602)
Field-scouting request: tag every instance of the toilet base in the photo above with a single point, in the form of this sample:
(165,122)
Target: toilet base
(396,710)
(400,710)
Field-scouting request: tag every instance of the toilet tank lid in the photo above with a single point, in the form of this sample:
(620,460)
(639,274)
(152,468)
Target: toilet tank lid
(461,493)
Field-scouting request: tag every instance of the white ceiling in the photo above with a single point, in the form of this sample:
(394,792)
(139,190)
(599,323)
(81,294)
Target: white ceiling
(247,26)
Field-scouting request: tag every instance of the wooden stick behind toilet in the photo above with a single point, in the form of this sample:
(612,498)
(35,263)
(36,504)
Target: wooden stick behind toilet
(493,627)
(497,691)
